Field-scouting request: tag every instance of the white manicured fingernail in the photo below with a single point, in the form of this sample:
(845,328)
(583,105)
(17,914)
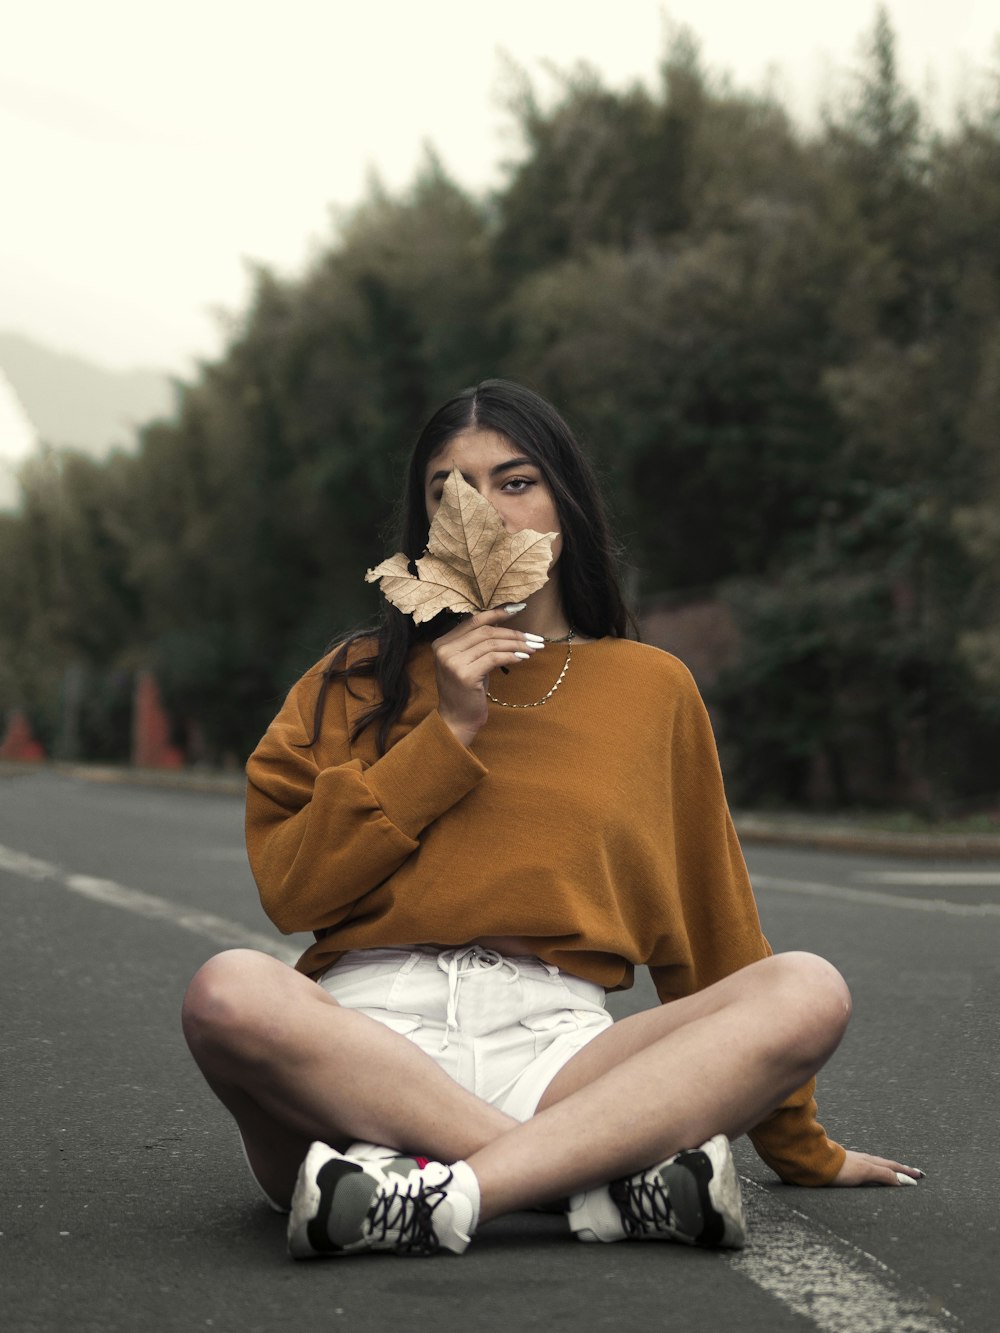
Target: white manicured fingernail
(905,1180)
(512,608)
(523,656)
(534,638)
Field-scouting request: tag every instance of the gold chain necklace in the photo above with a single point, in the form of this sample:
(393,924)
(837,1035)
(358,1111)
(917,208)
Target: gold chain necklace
(549,693)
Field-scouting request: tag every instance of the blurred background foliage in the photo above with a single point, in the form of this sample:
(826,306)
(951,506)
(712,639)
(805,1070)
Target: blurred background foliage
(782,350)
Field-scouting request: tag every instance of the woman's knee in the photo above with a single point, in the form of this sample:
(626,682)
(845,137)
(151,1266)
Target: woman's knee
(815,1004)
(224,1000)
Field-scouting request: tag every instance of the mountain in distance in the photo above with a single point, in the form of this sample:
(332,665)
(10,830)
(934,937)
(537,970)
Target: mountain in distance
(73,402)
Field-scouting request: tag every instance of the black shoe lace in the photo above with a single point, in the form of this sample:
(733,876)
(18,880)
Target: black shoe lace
(643,1204)
(403,1213)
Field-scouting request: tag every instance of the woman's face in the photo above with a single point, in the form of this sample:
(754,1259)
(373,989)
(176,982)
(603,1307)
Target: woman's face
(502,474)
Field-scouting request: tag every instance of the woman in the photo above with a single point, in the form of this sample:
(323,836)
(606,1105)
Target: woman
(487,825)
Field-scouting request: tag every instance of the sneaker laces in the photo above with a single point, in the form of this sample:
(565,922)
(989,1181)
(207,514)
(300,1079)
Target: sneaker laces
(458,963)
(643,1203)
(401,1216)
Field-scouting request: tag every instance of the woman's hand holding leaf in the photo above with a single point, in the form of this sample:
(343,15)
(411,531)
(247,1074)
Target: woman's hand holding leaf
(464,659)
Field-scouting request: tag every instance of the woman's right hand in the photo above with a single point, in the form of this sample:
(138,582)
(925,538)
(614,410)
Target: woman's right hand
(464,658)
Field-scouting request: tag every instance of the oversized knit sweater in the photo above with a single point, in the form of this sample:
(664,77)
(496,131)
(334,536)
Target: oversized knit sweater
(595,827)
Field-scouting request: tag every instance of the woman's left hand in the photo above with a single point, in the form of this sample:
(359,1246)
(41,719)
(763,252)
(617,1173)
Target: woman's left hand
(861,1168)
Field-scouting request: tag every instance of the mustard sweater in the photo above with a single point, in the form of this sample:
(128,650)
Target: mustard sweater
(595,826)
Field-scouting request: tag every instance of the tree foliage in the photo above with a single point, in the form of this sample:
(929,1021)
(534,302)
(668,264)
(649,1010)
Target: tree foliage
(782,349)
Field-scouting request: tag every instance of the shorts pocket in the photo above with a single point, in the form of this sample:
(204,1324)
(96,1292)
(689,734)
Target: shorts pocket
(573,1028)
(405,1024)
(547,1027)
(553,1021)
(365,976)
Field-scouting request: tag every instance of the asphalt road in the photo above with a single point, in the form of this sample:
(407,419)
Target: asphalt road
(125,1203)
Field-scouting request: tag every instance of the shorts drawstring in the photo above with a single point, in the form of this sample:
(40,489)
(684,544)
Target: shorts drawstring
(457,964)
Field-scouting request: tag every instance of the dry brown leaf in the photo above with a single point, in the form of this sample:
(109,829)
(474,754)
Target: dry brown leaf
(472,562)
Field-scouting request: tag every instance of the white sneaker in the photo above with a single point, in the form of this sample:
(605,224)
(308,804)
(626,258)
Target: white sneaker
(343,1205)
(692,1197)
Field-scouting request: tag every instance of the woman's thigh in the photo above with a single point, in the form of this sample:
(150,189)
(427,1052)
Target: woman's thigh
(291,1064)
(233,1008)
(796,989)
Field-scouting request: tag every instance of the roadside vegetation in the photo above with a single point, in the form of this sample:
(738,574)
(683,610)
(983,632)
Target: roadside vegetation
(783,349)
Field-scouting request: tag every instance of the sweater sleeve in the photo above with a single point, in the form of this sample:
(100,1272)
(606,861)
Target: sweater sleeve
(722,928)
(320,838)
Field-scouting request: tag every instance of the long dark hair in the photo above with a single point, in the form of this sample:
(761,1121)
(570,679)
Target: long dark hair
(588,575)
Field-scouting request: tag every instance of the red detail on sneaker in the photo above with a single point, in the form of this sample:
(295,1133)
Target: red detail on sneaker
(421,1161)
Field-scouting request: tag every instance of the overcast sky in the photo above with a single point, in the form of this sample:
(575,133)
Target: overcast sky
(147,147)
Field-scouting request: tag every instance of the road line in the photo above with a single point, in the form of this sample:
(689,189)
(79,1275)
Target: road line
(872,898)
(228,934)
(27,867)
(837,1286)
(978,877)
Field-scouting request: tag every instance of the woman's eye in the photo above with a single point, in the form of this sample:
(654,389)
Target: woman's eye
(517,484)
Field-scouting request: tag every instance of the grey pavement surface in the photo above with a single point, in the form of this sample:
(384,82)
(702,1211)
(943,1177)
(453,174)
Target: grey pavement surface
(820,831)
(125,1203)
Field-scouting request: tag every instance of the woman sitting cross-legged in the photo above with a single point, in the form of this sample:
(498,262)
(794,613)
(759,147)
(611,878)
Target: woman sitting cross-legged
(488,822)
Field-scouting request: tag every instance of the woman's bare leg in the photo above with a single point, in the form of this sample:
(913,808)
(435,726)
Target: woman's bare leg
(292,1065)
(670,1078)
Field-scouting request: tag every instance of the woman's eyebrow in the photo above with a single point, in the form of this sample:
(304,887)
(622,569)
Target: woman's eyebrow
(511,462)
(445,473)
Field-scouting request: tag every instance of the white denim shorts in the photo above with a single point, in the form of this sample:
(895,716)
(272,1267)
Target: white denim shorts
(501,1027)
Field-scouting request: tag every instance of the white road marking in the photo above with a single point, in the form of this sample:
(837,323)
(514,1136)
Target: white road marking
(837,1286)
(229,934)
(989,877)
(872,897)
(28,867)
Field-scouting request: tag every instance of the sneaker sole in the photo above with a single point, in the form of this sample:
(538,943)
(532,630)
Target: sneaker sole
(724,1193)
(305,1203)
